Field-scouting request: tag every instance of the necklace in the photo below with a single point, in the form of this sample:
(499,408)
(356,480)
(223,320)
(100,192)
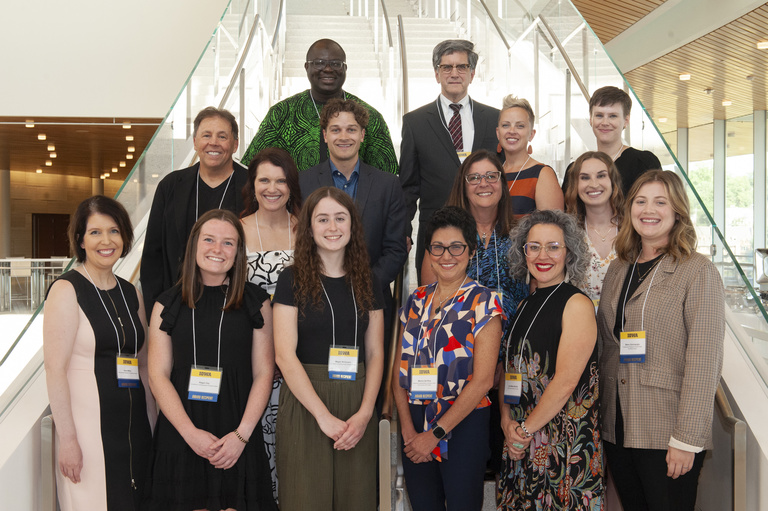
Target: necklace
(602,238)
(621,148)
(518,173)
(441,302)
(315,104)
(640,278)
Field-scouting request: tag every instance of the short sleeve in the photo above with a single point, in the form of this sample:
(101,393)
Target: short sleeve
(253,298)
(284,290)
(171,302)
(378,295)
(487,306)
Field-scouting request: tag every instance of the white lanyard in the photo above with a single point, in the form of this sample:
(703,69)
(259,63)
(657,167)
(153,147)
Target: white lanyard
(315,104)
(442,115)
(518,174)
(422,327)
(333,316)
(647,291)
(258,232)
(197,192)
(506,347)
(194,339)
(135,332)
(498,278)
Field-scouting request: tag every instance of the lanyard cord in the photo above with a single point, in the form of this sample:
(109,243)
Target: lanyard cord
(333,316)
(258,232)
(442,115)
(517,174)
(647,292)
(422,327)
(194,340)
(135,332)
(498,278)
(315,104)
(197,192)
(509,337)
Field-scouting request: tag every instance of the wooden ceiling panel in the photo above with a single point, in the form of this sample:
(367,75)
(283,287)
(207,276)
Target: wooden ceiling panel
(609,18)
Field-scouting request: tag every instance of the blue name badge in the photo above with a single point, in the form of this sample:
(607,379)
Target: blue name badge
(632,347)
(342,363)
(128,372)
(423,383)
(204,384)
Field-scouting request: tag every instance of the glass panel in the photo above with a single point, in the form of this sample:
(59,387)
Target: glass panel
(701,174)
(739,191)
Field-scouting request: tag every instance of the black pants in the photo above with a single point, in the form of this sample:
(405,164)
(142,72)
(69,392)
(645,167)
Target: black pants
(641,478)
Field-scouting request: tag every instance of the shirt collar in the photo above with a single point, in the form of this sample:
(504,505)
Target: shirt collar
(355,171)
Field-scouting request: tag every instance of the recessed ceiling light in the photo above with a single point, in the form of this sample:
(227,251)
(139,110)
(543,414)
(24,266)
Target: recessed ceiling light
(39,171)
(762,45)
(155,176)
(114,170)
(727,102)
(30,123)
(122,164)
(103,176)
(52,155)
(126,125)
(131,149)
(135,180)
(48,163)
(684,77)
(129,138)
(663,119)
(41,136)
(129,156)
(51,147)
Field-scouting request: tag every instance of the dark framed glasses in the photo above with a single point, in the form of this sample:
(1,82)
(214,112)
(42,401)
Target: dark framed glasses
(455,249)
(320,64)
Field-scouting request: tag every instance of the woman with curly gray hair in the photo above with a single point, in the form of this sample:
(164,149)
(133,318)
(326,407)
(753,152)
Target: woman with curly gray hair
(549,401)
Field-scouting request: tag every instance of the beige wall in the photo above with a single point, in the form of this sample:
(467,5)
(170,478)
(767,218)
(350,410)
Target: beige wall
(45,193)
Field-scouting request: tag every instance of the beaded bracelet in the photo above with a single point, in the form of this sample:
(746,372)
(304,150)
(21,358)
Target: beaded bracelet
(528,434)
(240,437)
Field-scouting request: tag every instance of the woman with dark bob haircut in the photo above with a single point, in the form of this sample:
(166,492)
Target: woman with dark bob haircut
(211,366)
(552,457)
(450,331)
(96,367)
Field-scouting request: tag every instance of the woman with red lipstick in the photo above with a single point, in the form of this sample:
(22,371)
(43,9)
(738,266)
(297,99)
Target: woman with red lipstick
(531,184)
(593,195)
(329,348)
(552,456)
(96,368)
(661,323)
(272,199)
(450,335)
(211,363)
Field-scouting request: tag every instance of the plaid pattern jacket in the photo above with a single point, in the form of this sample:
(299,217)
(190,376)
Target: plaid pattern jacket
(672,392)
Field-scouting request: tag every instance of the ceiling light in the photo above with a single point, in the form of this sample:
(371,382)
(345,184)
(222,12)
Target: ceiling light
(129,156)
(684,77)
(51,147)
(103,176)
(663,119)
(135,180)
(114,170)
(129,138)
(727,102)
(48,163)
(41,136)
(30,123)
(131,149)
(52,155)
(126,125)
(155,176)
(39,171)
(122,164)
(762,45)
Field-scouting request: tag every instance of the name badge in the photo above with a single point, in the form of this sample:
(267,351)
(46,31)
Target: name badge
(423,383)
(128,372)
(342,363)
(632,349)
(596,303)
(513,388)
(204,384)
(463,155)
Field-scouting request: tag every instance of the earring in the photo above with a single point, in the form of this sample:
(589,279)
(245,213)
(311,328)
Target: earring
(567,278)
(527,278)
(530,149)
(498,148)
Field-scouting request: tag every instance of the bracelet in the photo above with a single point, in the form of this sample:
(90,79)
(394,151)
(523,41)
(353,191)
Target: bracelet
(528,434)
(240,437)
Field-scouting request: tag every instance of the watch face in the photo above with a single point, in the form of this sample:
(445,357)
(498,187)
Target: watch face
(439,432)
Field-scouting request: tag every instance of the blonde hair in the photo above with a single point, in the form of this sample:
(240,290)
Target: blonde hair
(512,101)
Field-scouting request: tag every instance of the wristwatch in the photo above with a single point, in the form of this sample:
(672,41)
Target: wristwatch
(438,431)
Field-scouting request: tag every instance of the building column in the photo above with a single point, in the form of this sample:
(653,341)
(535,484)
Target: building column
(97,186)
(5,210)
(718,145)
(759,152)
(682,151)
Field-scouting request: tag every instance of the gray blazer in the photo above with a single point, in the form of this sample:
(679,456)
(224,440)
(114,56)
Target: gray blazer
(672,393)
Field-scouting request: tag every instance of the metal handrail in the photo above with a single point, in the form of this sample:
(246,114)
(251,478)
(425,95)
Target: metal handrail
(495,24)
(566,58)
(386,22)
(48,464)
(257,22)
(403,61)
(280,13)
(739,434)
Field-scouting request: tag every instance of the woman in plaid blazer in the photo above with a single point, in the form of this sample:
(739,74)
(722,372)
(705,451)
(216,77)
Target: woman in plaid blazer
(658,384)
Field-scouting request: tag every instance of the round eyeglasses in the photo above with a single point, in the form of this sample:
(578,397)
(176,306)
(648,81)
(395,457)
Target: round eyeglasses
(490,177)
(455,250)
(320,64)
(554,249)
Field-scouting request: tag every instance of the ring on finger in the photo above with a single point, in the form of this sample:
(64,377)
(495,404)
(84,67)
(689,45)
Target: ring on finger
(517,445)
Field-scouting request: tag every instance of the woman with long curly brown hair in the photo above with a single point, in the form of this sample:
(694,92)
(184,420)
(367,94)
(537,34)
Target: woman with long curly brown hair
(329,349)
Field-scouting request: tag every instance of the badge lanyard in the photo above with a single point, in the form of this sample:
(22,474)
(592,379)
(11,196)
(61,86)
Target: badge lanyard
(204,381)
(127,367)
(633,344)
(342,361)
(442,115)
(258,232)
(315,104)
(197,192)
(513,381)
(423,329)
(498,278)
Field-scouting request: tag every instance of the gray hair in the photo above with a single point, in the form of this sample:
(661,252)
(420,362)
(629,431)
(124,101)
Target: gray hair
(577,258)
(451,46)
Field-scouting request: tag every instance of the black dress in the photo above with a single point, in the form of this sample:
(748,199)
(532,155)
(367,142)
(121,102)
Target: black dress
(181,479)
(111,422)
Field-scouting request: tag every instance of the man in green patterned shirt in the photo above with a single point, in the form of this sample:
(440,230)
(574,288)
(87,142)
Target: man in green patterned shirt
(294,123)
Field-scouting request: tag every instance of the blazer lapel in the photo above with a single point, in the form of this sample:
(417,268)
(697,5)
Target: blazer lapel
(183,198)
(364,183)
(324,175)
(436,123)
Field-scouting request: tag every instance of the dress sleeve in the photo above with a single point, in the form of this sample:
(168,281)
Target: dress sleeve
(254,297)
(486,306)
(171,301)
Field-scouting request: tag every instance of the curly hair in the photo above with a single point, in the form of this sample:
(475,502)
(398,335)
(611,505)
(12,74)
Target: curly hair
(458,196)
(308,265)
(573,203)
(453,216)
(682,237)
(191,279)
(336,106)
(577,252)
(279,158)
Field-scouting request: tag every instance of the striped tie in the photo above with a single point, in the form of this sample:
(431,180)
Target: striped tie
(455,128)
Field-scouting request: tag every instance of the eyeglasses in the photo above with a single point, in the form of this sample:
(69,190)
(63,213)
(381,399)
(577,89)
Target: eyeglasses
(455,250)
(490,177)
(448,69)
(554,249)
(319,64)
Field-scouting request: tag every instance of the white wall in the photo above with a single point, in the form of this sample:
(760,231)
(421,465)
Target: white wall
(100,58)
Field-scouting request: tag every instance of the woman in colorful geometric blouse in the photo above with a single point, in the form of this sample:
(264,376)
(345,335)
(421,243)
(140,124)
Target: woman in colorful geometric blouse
(593,195)
(552,454)
(450,342)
